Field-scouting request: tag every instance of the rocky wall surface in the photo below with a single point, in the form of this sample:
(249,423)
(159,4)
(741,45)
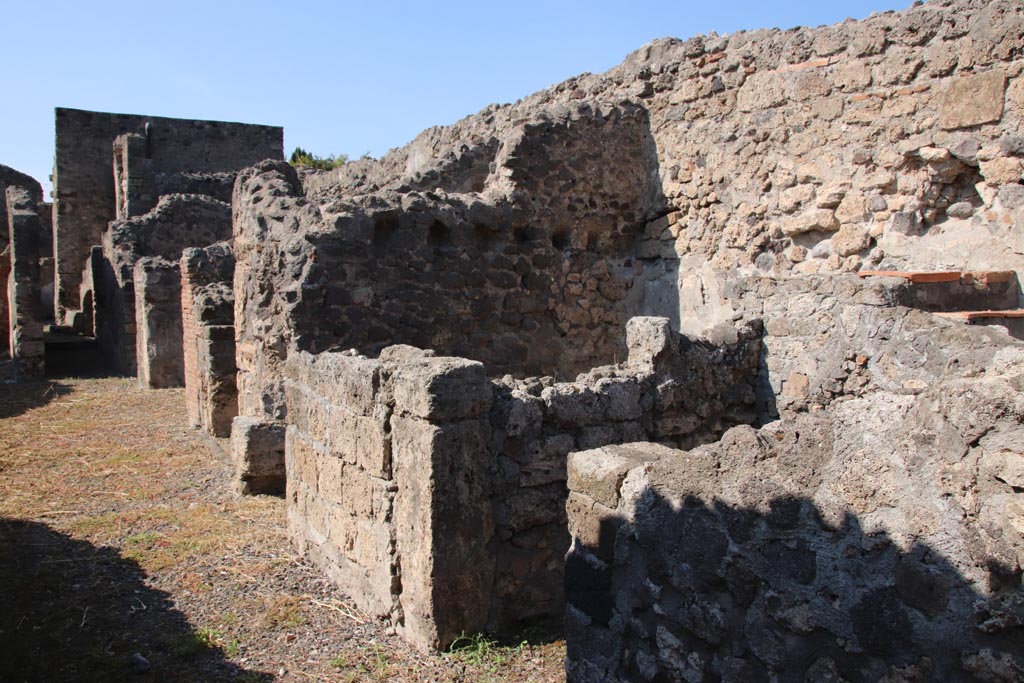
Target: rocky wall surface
(530,276)
(892,142)
(878,539)
(84,186)
(177,222)
(827,338)
(208,329)
(671,390)
(24,299)
(10,177)
(159,353)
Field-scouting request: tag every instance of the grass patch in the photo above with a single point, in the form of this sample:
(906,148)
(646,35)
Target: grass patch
(481,651)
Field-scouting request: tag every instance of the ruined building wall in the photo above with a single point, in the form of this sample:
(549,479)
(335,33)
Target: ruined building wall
(24,300)
(878,539)
(208,331)
(9,177)
(159,355)
(84,182)
(436,498)
(530,279)
(891,142)
(542,274)
(177,222)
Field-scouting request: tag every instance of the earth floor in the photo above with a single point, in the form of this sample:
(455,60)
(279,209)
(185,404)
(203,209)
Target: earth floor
(125,555)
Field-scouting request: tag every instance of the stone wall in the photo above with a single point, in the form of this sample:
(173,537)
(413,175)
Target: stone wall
(207,311)
(515,271)
(84,185)
(159,353)
(827,338)
(436,497)
(5,274)
(177,222)
(9,177)
(893,142)
(24,299)
(878,539)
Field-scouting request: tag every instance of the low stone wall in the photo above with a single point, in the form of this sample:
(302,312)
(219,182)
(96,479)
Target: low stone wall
(207,312)
(436,497)
(879,538)
(24,298)
(159,355)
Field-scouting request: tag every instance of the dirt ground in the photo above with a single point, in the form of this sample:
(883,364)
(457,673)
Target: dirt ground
(124,555)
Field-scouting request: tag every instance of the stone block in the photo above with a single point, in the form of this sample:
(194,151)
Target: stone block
(360,440)
(1001,171)
(851,239)
(307,411)
(810,221)
(650,340)
(598,473)
(972,100)
(443,523)
(442,389)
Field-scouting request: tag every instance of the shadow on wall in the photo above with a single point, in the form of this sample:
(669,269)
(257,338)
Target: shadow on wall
(71,611)
(725,593)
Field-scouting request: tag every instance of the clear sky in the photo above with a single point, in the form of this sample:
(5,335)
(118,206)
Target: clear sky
(340,77)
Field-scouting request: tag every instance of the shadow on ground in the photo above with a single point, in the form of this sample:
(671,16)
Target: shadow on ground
(71,611)
(16,399)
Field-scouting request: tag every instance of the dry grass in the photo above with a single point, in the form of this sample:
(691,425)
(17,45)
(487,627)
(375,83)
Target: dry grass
(125,522)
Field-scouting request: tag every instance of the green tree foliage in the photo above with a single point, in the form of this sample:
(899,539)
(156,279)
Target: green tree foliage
(301,157)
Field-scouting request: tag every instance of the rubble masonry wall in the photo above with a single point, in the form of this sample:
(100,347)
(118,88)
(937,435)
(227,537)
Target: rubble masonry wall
(24,301)
(877,538)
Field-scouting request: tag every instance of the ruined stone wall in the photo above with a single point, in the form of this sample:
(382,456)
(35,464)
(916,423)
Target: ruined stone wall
(208,329)
(517,272)
(879,539)
(436,498)
(159,353)
(24,299)
(540,227)
(84,182)
(5,318)
(892,142)
(140,180)
(828,337)
(177,222)
(11,178)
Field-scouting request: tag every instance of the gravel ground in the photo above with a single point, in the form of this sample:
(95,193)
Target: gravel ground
(124,555)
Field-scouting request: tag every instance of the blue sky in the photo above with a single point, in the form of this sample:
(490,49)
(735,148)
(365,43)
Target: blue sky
(340,77)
